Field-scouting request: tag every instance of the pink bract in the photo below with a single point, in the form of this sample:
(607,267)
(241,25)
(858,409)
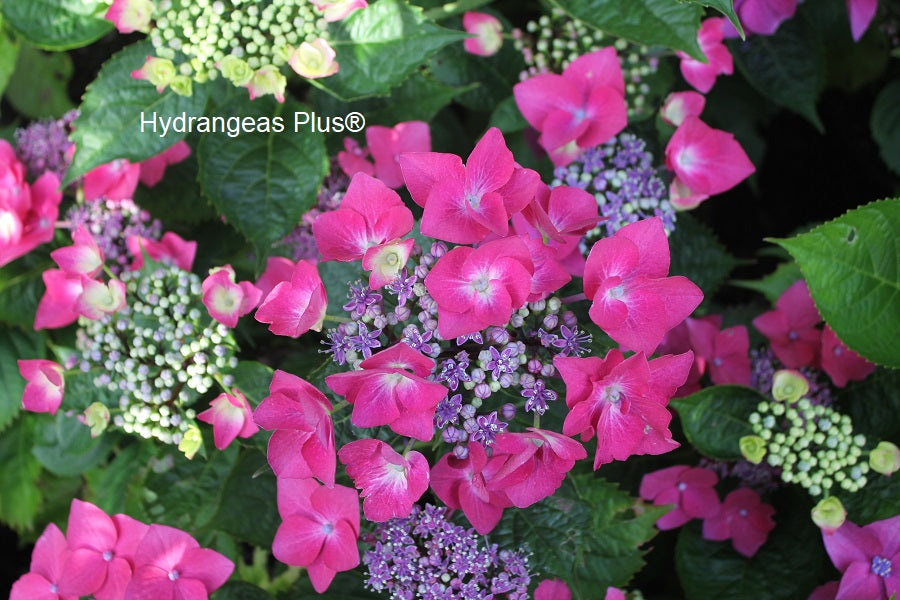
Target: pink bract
(46,385)
(130,15)
(840,362)
(706,160)
(47,561)
(58,306)
(226,300)
(488,30)
(552,589)
(231,417)
(153,169)
(867,558)
(171,248)
(718,59)
(294,307)
(861,13)
(114,180)
(725,354)
(691,490)
(464,484)
(763,16)
(339,9)
(744,519)
(791,327)
(679,105)
(387,144)
(83,257)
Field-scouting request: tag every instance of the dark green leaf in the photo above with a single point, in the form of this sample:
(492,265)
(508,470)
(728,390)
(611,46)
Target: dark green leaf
(775,283)
(852,268)
(878,500)
(81,391)
(507,117)
(885,124)
(64,446)
(15,345)
(252,379)
(110,124)
(493,76)
(874,404)
(177,198)
(37,88)
(726,7)
(337,276)
(20,497)
(21,288)
(262,183)
(57,24)
(241,590)
(249,490)
(650,22)
(698,255)
(9,50)
(715,418)
(347,585)
(788,67)
(111,486)
(380,47)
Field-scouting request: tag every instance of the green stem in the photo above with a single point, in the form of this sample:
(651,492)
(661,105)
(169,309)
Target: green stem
(337,319)
(454,8)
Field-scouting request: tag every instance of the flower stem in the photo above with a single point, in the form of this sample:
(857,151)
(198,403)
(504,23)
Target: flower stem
(336,319)
(573,298)
(454,8)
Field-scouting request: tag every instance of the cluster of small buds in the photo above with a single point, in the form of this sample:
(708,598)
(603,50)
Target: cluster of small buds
(45,146)
(622,177)
(555,40)
(812,444)
(236,39)
(159,353)
(300,242)
(111,223)
(426,556)
(763,368)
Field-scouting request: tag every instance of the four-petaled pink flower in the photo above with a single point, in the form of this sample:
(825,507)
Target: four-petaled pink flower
(114,180)
(791,327)
(464,484)
(464,203)
(718,59)
(868,559)
(320,529)
(679,105)
(723,354)
(552,589)
(231,417)
(387,144)
(45,387)
(385,392)
(840,362)
(226,300)
(390,484)
(302,444)
(633,299)
(623,401)
(294,307)
(580,109)
(707,161)
(691,490)
(102,552)
(169,563)
(171,248)
(153,169)
(47,562)
(487,29)
(475,288)
(743,518)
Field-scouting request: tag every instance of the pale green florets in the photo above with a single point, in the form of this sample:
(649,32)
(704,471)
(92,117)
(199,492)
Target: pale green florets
(198,35)
(552,42)
(158,354)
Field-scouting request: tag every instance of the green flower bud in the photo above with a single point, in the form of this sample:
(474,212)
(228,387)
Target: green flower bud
(96,416)
(829,514)
(885,458)
(191,442)
(181,85)
(789,386)
(753,448)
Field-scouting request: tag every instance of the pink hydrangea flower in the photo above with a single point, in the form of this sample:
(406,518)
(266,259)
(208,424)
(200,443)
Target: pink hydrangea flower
(226,300)
(762,16)
(102,551)
(622,401)
(463,484)
(626,279)
(45,387)
(580,109)
(51,551)
(387,144)
(170,248)
(705,160)
(131,15)
(277,269)
(320,529)
(475,288)
(679,105)
(353,159)
(691,490)
(294,307)
(703,75)
(27,213)
(314,59)
(868,559)
(677,341)
(169,563)
(98,299)
(561,211)
(552,589)
(114,180)
(791,327)
(390,483)
(861,14)
(390,389)
(614,594)
(337,10)
(744,519)
(385,261)
(535,464)
(83,257)
(725,354)
(840,362)
(231,417)
(370,215)
(549,274)
(153,169)
(58,306)
(488,31)
(464,203)
(302,444)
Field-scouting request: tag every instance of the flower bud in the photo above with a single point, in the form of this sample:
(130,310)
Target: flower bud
(885,458)
(753,448)
(236,70)
(829,514)
(182,85)
(789,386)
(192,441)
(96,416)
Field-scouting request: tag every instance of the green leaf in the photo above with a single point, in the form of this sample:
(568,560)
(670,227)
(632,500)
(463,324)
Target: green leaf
(241,590)
(874,404)
(21,288)
(786,567)
(715,418)
(492,76)
(249,490)
(9,50)
(64,446)
(37,88)
(775,283)
(337,277)
(852,268)
(262,183)
(110,124)
(20,496)
(787,67)
(177,198)
(15,345)
(878,500)
(507,117)
(110,486)
(380,47)
(885,124)
(57,24)
(252,379)
(698,255)
(347,585)
(598,530)
(650,22)
(726,7)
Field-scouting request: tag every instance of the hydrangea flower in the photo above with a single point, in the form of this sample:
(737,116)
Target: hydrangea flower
(691,490)
(46,385)
(868,558)
(791,327)
(744,519)
(840,362)
(231,417)
(718,59)
(294,307)
(487,29)
(47,562)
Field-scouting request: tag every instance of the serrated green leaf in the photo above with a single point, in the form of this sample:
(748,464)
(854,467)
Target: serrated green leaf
(177,198)
(109,126)
(20,496)
(852,268)
(37,88)
(380,47)
(874,404)
(715,418)
(726,7)
(249,490)
(650,22)
(110,486)
(15,345)
(64,446)
(252,379)
(262,183)
(787,67)
(775,283)
(698,255)
(885,124)
(492,76)
(57,24)
(9,50)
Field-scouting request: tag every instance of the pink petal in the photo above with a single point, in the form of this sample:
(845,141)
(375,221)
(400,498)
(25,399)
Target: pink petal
(538,96)
(600,68)
(422,170)
(84,573)
(298,541)
(206,566)
(861,14)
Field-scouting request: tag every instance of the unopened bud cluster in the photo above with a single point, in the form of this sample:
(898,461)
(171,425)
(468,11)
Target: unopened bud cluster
(552,42)
(158,354)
